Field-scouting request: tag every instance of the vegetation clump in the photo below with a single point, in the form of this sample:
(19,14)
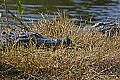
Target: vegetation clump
(91,56)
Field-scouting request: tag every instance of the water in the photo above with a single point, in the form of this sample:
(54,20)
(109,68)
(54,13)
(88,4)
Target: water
(97,10)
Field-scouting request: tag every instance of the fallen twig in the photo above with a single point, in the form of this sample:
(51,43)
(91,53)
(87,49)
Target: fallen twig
(16,18)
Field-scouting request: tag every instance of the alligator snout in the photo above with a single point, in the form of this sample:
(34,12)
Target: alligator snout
(67,41)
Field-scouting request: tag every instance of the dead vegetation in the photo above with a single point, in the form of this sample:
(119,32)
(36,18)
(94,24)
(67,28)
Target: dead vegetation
(91,56)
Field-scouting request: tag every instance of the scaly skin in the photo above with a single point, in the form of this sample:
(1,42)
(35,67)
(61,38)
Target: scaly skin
(24,38)
(107,28)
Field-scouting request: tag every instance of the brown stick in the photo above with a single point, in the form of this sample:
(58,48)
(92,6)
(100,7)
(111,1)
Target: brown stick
(8,11)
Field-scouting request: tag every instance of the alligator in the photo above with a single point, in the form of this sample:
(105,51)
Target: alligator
(107,28)
(24,38)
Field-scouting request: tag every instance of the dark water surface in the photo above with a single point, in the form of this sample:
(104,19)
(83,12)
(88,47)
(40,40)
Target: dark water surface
(96,10)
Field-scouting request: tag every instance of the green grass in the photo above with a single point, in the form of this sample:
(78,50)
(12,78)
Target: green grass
(91,56)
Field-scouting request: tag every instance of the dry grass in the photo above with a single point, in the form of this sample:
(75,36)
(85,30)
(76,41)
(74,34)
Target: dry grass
(91,56)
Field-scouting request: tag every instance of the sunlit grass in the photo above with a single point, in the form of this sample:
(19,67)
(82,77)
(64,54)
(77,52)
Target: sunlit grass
(91,56)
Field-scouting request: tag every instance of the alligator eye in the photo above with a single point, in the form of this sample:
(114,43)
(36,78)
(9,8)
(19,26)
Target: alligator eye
(3,32)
